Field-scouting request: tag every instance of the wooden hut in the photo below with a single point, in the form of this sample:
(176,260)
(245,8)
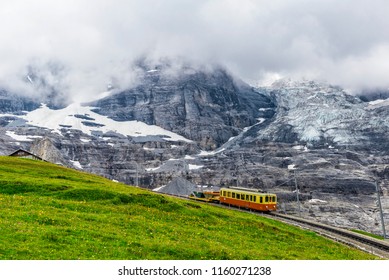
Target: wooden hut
(24,154)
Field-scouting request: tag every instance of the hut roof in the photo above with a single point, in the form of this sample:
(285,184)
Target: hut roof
(19,151)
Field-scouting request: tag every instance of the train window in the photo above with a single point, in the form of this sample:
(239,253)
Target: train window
(224,193)
(255,198)
(260,199)
(247,197)
(228,194)
(266,199)
(251,198)
(233,195)
(238,195)
(274,199)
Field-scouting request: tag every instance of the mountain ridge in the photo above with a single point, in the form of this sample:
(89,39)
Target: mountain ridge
(212,129)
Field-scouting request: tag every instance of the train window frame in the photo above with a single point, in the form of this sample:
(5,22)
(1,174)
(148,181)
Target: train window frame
(251,197)
(255,198)
(233,195)
(266,199)
(273,199)
(261,199)
(238,196)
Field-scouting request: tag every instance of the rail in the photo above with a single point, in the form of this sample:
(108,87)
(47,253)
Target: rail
(365,243)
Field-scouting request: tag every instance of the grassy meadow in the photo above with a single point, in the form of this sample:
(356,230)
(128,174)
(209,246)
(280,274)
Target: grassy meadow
(51,212)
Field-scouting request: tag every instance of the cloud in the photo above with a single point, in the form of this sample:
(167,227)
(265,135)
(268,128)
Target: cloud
(361,72)
(344,42)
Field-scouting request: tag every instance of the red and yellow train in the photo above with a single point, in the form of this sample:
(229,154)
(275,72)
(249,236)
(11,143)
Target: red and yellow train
(239,197)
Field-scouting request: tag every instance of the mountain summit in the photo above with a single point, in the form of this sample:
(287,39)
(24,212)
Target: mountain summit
(206,107)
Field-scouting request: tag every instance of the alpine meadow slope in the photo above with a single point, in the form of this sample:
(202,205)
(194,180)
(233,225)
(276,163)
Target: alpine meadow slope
(52,212)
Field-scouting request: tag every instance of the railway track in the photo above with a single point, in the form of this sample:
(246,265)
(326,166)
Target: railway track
(362,242)
(365,243)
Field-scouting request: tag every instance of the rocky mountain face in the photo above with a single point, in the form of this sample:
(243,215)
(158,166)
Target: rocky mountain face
(207,107)
(214,130)
(12,103)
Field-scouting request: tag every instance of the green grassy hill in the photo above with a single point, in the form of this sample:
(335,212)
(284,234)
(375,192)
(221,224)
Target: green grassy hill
(51,212)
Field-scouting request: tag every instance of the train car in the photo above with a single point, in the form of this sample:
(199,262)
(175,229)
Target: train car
(248,198)
(206,196)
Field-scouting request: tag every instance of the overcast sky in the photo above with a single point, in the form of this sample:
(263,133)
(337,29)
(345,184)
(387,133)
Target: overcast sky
(345,42)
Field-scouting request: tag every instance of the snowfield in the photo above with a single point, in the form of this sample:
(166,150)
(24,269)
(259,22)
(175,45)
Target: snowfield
(76,116)
(21,138)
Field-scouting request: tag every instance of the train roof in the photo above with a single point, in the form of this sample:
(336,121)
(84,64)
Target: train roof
(241,189)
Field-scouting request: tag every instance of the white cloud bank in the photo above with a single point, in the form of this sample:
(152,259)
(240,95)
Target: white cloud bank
(79,46)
